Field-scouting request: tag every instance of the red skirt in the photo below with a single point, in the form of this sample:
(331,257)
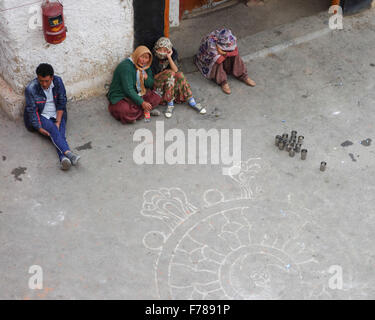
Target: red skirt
(127,111)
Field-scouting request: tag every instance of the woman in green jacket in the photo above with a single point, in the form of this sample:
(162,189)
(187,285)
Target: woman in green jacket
(130,94)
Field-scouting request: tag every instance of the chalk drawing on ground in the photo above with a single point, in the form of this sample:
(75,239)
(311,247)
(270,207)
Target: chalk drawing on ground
(238,247)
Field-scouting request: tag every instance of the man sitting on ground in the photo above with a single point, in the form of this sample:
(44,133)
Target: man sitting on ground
(46,112)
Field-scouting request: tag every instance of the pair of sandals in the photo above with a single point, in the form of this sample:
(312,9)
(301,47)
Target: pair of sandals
(198,107)
(226,89)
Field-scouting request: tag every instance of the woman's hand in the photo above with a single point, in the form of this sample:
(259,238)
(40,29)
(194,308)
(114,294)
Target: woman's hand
(171,62)
(221,52)
(146,106)
(169,54)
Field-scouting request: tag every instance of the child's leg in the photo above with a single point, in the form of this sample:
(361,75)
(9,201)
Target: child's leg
(170,107)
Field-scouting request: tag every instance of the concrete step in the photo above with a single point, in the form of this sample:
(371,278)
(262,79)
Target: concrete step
(270,41)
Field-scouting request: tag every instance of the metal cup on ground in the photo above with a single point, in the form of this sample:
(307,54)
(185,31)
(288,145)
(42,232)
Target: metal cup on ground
(300,139)
(291,153)
(277,140)
(303,154)
(323,166)
(285,136)
(288,147)
(298,147)
(294,133)
(291,146)
(281,144)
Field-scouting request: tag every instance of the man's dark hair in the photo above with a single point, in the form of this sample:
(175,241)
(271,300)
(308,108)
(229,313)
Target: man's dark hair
(44,70)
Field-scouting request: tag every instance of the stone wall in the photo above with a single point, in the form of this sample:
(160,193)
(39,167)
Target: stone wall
(100,34)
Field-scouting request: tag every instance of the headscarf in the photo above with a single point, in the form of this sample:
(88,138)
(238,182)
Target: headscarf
(141,70)
(208,55)
(163,42)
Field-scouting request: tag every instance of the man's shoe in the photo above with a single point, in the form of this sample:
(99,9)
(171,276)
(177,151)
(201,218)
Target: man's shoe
(65,164)
(73,157)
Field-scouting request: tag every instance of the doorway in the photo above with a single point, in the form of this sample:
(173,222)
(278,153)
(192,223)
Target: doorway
(149,22)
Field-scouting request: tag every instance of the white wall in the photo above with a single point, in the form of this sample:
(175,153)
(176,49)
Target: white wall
(174,13)
(100,34)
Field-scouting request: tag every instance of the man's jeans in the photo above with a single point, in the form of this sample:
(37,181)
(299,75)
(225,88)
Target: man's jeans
(57,136)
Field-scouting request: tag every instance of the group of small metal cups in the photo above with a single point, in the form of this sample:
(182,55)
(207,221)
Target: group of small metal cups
(293,145)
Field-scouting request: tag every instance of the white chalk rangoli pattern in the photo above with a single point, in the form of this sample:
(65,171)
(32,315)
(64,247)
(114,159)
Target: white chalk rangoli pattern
(238,248)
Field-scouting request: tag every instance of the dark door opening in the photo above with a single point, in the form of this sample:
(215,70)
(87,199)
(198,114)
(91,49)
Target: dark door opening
(148,21)
(354,6)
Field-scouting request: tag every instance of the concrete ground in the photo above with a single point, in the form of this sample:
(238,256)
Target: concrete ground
(243,20)
(277,228)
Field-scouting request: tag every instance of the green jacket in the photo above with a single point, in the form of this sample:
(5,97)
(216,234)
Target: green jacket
(124,83)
